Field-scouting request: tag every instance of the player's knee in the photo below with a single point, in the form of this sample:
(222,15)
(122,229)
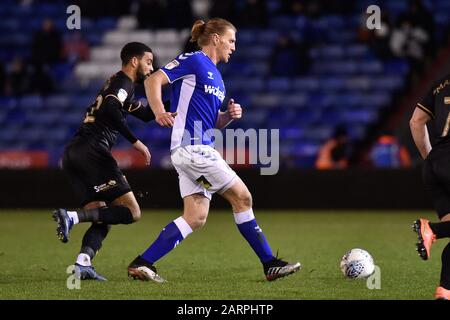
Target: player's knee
(135,212)
(137,215)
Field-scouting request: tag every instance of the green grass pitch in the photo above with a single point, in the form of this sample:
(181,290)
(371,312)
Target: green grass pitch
(216,262)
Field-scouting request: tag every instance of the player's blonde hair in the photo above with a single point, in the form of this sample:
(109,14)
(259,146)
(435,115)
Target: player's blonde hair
(202,31)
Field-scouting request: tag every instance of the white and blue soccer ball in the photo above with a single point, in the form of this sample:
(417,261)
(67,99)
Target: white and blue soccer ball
(357,263)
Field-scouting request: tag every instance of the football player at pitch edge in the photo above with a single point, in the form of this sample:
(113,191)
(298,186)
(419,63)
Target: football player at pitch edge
(106,196)
(436,174)
(197,93)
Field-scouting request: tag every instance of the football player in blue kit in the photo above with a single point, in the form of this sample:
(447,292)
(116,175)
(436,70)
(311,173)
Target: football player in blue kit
(197,93)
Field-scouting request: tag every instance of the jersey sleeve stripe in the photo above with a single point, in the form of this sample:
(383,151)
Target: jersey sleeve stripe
(423,108)
(114,96)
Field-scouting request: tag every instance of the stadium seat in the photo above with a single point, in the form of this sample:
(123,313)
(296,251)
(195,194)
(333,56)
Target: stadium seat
(31,102)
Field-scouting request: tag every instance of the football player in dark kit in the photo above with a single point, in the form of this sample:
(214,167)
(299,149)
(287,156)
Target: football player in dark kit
(436,174)
(106,196)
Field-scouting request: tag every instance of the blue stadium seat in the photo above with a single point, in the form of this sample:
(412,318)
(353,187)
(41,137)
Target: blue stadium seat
(105,23)
(245,37)
(57,135)
(57,102)
(297,100)
(335,83)
(396,67)
(359,116)
(46,119)
(370,67)
(291,133)
(31,102)
(72,118)
(308,116)
(306,84)
(82,102)
(279,84)
(266,36)
(33,134)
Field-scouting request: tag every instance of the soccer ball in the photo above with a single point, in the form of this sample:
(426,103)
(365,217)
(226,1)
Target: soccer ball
(357,263)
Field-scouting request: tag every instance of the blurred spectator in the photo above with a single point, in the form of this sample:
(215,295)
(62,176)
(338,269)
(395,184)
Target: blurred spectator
(225,9)
(292,7)
(40,80)
(421,17)
(254,14)
(377,39)
(75,48)
(17,79)
(334,154)
(289,58)
(180,14)
(102,8)
(47,44)
(151,14)
(409,41)
(2,78)
(315,8)
(387,152)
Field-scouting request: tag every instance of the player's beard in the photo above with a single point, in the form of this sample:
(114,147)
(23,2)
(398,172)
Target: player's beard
(140,76)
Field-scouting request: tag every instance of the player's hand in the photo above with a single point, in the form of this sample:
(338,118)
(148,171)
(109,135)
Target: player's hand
(234,110)
(166,119)
(139,146)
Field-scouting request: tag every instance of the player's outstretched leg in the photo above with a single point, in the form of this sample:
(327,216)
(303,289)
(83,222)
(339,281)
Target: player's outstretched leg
(425,237)
(143,270)
(64,224)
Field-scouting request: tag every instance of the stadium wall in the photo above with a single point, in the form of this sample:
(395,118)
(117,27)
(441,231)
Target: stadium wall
(299,189)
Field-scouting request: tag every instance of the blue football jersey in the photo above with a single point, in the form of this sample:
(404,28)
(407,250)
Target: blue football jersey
(197,93)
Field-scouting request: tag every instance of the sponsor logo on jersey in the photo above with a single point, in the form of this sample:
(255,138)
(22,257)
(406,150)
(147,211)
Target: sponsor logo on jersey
(105,186)
(172,64)
(215,91)
(210,75)
(122,95)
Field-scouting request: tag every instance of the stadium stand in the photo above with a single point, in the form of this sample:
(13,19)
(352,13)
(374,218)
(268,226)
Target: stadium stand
(344,82)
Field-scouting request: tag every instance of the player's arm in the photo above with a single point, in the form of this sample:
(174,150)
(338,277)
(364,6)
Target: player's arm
(143,112)
(418,125)
(112,108)
(153,87)
(234,111)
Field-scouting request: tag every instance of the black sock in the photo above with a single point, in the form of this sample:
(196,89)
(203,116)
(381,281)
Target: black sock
(441,229)
(107,215)
(93,238)
(445,271)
